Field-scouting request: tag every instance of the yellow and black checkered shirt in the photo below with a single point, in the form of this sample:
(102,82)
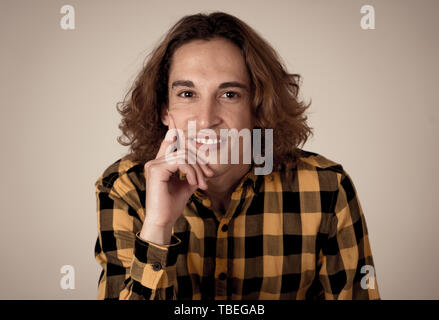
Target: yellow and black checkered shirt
(302,237)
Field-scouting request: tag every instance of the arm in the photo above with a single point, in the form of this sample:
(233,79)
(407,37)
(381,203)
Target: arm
(138,257)
(132,268)
(346,253)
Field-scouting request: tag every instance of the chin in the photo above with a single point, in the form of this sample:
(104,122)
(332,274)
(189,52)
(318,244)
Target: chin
(221,169)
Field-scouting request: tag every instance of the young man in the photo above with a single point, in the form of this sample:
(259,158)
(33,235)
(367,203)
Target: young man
(195,230)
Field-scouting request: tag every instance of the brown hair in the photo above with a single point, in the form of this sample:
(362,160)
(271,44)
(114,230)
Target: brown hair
(274,92)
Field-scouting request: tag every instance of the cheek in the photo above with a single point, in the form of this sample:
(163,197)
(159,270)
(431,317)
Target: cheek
(180,116)
(244,119)
(238,115)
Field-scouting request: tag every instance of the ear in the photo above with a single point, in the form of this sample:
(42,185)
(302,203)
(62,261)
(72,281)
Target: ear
(164,116)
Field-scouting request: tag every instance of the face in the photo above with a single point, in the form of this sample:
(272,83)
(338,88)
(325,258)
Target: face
(209,84)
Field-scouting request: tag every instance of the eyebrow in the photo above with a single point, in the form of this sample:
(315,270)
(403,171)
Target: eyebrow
(190,84)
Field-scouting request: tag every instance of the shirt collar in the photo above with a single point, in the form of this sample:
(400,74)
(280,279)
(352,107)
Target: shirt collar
(249,179)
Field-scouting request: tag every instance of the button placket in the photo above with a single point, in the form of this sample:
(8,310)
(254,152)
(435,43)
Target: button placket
(221,263)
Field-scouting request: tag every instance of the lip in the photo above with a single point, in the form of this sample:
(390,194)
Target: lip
(199,144)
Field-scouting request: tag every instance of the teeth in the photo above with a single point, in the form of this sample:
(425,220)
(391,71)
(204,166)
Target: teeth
(207,141)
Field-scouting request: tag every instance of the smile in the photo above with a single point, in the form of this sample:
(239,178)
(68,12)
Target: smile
(206,141)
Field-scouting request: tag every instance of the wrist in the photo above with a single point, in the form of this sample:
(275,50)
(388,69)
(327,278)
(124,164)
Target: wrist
(156,233)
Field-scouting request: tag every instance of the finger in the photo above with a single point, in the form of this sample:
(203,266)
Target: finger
(208,172)
(198,159)
(172,126)
(180,156)
(202,183)
(168,141)
(196,154)
(204,172)
(202,162)
(174,157)
(189,171)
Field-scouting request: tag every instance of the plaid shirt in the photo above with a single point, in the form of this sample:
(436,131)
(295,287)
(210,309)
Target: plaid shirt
(302,237)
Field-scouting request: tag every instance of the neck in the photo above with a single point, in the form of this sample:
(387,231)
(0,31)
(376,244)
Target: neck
(220,188)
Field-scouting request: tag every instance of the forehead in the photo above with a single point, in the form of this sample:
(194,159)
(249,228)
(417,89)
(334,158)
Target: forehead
(217,58)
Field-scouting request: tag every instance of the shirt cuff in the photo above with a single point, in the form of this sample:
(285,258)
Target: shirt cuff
(149,252)
(153,263)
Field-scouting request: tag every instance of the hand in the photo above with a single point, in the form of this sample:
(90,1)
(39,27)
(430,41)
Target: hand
(166,194)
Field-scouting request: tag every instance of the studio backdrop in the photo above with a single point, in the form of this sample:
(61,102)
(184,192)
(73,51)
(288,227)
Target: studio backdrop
(369,68)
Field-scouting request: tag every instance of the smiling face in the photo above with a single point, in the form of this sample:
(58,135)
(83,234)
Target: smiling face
(209,84)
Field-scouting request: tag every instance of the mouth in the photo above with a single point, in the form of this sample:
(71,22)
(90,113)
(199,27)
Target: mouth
(207,141)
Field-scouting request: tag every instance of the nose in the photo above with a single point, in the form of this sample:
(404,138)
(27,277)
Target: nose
(207,114)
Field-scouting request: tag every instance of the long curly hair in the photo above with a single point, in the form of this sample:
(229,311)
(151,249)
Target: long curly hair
(274,91)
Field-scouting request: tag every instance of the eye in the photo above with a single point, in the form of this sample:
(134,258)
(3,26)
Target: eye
(231,94)
(186,94)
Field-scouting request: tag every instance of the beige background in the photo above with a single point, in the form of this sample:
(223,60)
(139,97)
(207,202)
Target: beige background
(374,110)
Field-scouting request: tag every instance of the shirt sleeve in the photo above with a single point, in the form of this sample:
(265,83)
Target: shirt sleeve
(347,268)
(132,269)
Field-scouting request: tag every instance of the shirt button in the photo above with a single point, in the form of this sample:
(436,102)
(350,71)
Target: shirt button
(157,266)
(222,276)
(224,228)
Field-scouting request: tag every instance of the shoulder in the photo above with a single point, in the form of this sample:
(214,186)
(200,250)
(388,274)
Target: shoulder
(319,173)
(124,171)
(321,183)
(308,160)
(313,172)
